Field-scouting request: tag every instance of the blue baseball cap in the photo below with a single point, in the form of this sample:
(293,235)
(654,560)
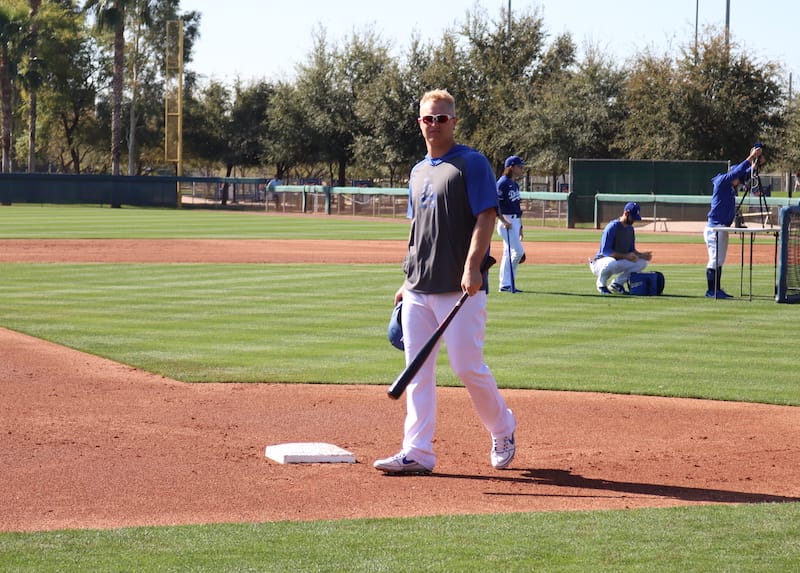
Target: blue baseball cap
(633,210)
(514,160)
(395,330)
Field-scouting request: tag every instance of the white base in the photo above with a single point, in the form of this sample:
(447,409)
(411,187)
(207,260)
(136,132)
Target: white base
(309,453)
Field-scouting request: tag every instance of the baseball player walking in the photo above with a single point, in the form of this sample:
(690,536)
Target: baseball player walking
(453,206)
(509,224)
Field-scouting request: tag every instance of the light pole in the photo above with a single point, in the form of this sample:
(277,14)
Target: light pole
(727,23)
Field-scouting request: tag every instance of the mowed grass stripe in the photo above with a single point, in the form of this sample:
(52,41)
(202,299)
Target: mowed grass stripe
(327,323)
(74,222)
(24,221)
(249,322)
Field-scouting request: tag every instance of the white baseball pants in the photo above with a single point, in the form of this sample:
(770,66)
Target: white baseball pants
(464,338)
(717,245)
(512,241)
(605,268)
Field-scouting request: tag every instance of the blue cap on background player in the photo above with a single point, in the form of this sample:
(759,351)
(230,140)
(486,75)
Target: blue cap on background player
(395,330)
(633,209)
(514,160)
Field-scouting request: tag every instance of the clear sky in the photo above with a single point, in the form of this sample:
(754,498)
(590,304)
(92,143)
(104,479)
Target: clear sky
(266,39)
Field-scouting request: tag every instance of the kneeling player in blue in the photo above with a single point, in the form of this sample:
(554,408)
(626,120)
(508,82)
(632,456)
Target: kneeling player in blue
(618,257)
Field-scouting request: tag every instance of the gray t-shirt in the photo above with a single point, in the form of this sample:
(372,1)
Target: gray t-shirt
(445,196)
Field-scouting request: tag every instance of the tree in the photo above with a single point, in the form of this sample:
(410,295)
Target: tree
(207,117)
(249,116)
(386,110)
(69,73)
(288,137)
(710,104)
(730,99)
(783,142)
(33,81)
(110,15)
(575,115)
(652,127)
(14,36)
(502,58)
(146,62)
(139,21)
(329,86)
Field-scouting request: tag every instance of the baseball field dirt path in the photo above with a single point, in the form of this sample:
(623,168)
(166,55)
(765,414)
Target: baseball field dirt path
(89,443)
(311,251)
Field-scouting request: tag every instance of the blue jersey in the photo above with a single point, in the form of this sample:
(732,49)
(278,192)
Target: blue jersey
(508,196)
(723,198)
(446,194)
(617,238)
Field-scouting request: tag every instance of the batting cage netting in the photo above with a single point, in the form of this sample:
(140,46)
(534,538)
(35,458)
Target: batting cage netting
(788,287)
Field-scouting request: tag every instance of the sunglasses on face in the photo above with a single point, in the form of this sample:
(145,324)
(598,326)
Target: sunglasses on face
(440,118)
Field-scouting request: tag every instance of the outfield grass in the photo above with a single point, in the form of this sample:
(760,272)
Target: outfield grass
(74,222)
(327,323)
(309,323)
(80,222)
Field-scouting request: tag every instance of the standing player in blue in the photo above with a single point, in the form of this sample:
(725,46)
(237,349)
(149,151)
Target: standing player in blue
(722,214)
(618,257)
(452,206)
(509,224)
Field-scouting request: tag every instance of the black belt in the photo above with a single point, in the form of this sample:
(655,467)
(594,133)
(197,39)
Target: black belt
(511,216)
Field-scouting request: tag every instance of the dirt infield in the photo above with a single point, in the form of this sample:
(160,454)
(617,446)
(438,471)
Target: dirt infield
(312,251)
(91,443)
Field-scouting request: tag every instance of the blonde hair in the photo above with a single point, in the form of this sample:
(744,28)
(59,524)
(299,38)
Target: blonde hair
(439,95)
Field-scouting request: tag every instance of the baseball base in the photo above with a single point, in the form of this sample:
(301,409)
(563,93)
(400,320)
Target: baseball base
(309,453)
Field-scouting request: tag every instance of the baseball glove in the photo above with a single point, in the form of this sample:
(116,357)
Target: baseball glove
(395,329)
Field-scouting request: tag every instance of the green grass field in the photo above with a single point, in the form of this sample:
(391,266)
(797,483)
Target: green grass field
(234,323)
(327,323)
(761,538)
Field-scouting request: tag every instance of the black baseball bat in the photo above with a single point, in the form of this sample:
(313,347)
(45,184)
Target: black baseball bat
(399,385)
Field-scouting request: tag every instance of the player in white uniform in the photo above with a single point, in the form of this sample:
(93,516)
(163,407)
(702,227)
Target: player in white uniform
(453,206)
(509,224)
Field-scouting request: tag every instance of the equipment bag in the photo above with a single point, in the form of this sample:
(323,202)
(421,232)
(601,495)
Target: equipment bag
(646,284)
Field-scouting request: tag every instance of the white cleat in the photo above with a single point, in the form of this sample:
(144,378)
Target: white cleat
(503,450)
(399,464)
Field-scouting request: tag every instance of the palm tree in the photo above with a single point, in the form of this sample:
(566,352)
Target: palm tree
(33,85)
(13,34)
(110,14)
(141,19)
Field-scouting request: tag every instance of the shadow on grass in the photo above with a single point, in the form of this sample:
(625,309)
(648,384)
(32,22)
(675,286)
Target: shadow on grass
(596,294)
(566,479)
